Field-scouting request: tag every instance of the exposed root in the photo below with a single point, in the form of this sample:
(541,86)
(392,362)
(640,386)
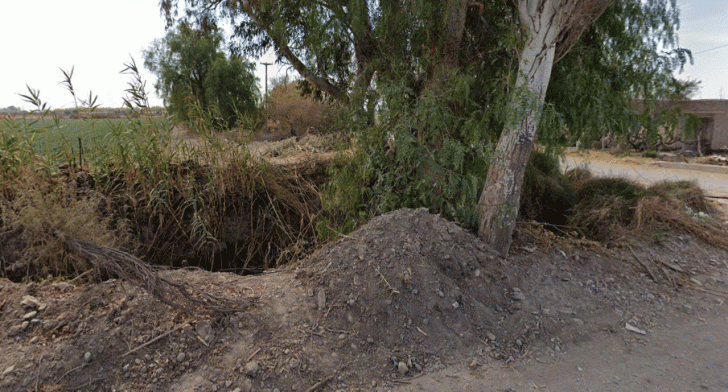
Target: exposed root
(122,265)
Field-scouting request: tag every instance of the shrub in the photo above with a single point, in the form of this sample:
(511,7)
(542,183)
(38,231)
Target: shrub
(300,115)
(548,195)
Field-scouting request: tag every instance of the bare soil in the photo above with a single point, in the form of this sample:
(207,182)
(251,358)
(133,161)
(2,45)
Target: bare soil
(407,302)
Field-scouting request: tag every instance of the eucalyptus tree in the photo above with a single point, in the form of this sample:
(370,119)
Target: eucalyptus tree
(551,28)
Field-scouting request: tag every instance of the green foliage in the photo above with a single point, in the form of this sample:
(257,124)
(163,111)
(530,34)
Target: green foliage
(630,54)
(198,82)
(425,155)
(692,125)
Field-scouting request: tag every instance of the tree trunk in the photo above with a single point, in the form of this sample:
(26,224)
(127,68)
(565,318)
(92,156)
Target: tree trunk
(499,203)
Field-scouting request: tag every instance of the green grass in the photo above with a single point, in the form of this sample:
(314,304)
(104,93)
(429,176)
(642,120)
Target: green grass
(51,138)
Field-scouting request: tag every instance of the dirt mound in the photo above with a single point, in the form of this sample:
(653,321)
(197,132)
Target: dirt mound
(412,282)
(407,293)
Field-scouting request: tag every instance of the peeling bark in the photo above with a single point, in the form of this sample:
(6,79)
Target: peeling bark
(546,23)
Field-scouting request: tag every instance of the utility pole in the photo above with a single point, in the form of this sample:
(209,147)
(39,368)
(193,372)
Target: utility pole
(265,99)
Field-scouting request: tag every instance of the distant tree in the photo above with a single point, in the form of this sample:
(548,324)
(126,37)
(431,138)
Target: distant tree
(195,76)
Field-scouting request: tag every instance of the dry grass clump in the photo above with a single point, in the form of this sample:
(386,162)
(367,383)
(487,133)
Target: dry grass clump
(42,206)
(578,176)
(612,208)
(305,115)
(233,214)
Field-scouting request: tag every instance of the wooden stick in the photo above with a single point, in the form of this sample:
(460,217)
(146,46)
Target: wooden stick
(320,384)
(155,339)
(395,291)
(643,264)
(252,355)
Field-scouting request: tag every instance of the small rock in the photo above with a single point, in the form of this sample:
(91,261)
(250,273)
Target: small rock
(402,368)
(126,367)
(30,302)
(236,390)
(294,363)
(577,321)
(474,364)
(24,325)
(247,386)
(477,273)
(632,328)
(30,315)
(251,368)
(321,299)
(8,370)
(204,329)
(34,340)
(87,357)
(228,383)
(180,357)
(518,295)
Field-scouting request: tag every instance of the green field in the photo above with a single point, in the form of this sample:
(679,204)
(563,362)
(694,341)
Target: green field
(57,139)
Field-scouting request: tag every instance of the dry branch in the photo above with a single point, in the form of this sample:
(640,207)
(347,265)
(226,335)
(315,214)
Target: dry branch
(122,265)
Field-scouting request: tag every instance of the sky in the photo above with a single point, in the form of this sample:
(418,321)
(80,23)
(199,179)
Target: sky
(96,38)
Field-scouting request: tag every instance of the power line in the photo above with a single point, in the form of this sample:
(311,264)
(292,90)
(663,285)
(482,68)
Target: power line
(708,50)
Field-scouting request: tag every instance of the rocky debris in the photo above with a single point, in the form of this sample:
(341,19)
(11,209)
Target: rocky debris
(31,303)
(204,330)
(402,368)
(252,368)
(632,328)
(321,299)
(8,370)
(517,294)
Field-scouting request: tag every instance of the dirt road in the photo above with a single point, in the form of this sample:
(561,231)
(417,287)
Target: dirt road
(689,353)
(713,179)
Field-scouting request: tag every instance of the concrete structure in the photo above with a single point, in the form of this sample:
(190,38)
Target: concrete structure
(713,132)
